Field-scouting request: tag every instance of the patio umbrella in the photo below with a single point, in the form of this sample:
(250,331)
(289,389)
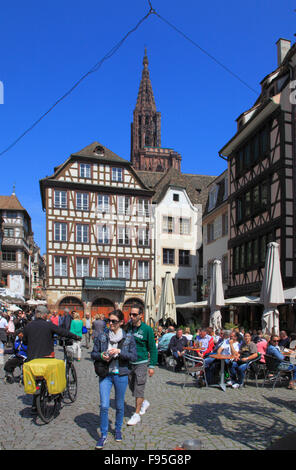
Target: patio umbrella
(33,302)
(13,308)
(10,296)
(216,298)
(167,302)
(150,308)
(272,293)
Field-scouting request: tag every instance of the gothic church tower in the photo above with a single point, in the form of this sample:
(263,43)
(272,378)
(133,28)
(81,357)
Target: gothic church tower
(146,151)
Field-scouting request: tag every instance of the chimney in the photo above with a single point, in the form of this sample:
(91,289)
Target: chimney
(283,47)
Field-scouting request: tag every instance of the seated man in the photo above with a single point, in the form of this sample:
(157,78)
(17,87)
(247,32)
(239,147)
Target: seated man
(229,346)
(205,342)
(19,356)
(177,345)
(284,341)
(247,352)
(280,363)
(163,344)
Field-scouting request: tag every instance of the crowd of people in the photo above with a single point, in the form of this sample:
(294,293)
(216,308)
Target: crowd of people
(124,355)
(241,346)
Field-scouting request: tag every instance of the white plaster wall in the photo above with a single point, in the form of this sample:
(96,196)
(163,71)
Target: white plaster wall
(192,242)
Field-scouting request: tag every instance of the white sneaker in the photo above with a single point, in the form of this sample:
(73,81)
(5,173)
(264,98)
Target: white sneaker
(144,407)
(235,386)
(228,382)
(135,419)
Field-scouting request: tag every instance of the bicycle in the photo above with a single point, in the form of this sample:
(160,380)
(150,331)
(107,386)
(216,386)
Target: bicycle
(46,403)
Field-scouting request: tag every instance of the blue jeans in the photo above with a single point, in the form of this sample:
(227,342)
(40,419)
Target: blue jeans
(208,367)
(288,367)
(120,383)
(238,370)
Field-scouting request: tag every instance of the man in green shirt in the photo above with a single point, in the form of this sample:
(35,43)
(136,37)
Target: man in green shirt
(146,361)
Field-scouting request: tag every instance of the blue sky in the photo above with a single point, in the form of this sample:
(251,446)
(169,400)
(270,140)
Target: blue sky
(48,46)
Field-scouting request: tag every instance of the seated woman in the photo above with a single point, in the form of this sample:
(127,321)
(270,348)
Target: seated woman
(280,363)
(262,344)
(113,350)
(247,352)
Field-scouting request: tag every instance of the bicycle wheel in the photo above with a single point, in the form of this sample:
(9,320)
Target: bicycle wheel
(46,404)
(71,382)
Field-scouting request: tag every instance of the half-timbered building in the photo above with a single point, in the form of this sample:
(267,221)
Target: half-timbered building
(98,226)
(215,231)
(17,247)
(261,167)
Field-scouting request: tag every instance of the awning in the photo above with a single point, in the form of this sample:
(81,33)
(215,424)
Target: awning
(290,294)
(243,300)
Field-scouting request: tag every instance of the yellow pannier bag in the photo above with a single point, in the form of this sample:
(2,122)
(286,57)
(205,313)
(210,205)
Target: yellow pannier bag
(53,370)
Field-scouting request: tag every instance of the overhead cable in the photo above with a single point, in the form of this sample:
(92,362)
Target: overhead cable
(92,70)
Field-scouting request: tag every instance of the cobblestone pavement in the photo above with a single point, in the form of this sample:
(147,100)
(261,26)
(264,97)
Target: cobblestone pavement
(243,419)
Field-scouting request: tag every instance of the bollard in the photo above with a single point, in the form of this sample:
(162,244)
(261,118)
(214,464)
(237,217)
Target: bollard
(192,444)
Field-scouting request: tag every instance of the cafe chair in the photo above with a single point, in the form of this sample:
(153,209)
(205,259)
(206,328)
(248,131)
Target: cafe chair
(255,368)
(170,360)
(273,374)
(194,367)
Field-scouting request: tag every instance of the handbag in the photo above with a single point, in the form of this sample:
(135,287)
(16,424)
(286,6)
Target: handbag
(84,330)
(101,368)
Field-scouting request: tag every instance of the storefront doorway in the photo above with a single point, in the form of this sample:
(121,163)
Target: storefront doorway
(104,306)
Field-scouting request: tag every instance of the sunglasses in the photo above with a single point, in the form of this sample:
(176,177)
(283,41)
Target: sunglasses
(114,321)
(134,314)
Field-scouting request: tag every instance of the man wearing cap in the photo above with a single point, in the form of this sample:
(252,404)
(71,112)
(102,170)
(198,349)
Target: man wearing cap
(38,335)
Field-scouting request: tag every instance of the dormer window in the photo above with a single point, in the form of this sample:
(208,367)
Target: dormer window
(99,150)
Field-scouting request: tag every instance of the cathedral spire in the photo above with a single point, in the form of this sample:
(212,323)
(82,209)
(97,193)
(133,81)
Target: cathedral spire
(146,151)
(145,98)
(145,128)
(145,60)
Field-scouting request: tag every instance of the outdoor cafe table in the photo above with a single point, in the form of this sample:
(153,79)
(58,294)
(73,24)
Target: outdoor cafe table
(191,348)
(288,353)
(222,358)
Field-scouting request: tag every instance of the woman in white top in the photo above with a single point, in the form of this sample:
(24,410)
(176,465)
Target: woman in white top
(188,335)
(3,328)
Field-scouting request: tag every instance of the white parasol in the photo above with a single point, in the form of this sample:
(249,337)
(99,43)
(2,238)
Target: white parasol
(150,308)
(167,302)
(216,298)
(272,293)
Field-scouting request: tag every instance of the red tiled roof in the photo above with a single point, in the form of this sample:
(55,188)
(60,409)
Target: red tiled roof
(11,203)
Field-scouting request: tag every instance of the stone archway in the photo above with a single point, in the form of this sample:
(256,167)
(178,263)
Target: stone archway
(72,303)
(102,305)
